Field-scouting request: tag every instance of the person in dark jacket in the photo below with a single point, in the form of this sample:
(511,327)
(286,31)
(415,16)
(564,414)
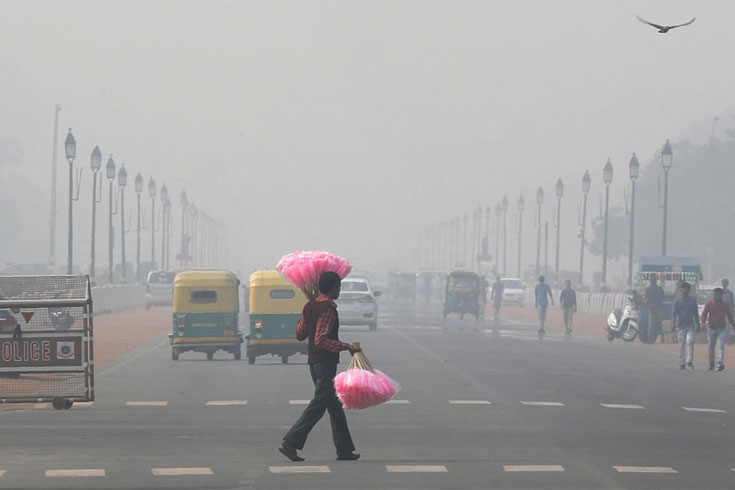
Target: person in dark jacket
(655,301)
(685,317)
(320,324)
(717,315)
(568,302)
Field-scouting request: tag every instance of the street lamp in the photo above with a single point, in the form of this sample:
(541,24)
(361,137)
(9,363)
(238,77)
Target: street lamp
(559,194)
(520,205)
(539,202)
(138,191)
(95,163)
(110,167)
(164,224)
(667,157)
(184,207)
(504,207)
(464,241)
(634,167)
(70,149)
(167,206)
(152,193)
(122,180)
(607,175)
(476,223)
(586,182)
(498,214)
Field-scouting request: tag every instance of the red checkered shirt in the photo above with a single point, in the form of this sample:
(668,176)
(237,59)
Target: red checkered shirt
(324,324)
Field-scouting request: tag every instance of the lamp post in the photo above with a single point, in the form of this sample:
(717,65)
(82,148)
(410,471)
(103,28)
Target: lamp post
(520,205)
(634,167)
(667,157)
(122,181)
(184,247)
(167,206)
(559,194)
(607,175)
(138,191)
(152,193)
(586,182)
(95,163)
(464,241)
(52,222)
(70,149)
(539,202)
(110,167)
(476,216)
(164,224)
(498,214)
(193,223)
(504,207)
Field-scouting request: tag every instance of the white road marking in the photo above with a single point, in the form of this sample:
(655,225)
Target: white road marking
(543,404)
(705,410)
(623,405)
(83,405)
(146,404)
(74,473)
(416,469)
(470,402)
(224,403)
(181,471)
(534,468)
(299,402)
(299,469)
(399,402)
(2,472)
(41,406)
(644,469)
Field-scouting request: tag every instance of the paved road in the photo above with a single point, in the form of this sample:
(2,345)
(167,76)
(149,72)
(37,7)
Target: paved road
(482,406)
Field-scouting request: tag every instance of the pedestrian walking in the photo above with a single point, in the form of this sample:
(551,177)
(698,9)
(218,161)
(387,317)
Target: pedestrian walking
(497,296)
(729,300)
(654,295)
(542,295)
(320,324)
(685,318)
(568,302)
(716,316)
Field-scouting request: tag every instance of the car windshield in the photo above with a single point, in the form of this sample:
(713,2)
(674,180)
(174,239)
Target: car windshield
(462,282)
(354,286)
(161,278)
(512,284)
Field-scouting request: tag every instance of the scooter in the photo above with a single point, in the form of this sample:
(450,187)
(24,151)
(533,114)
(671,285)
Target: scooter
(624,324)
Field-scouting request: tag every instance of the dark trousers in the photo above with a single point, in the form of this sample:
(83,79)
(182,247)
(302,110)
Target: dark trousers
(325,399)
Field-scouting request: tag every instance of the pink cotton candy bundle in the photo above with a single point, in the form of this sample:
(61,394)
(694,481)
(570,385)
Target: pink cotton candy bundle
(358,389)
(303,269)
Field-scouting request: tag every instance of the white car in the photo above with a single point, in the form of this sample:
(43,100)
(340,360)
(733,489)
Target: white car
(514,291)
(159,289)
(356,304)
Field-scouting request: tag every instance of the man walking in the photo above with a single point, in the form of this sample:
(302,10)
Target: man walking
(655,301)
(685,317)
(497,296)
(568,302)
(320,324)
(729,300)
(542,293)
(719,314)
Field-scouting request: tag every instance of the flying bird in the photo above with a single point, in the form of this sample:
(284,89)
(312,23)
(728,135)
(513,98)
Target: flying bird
(664,29)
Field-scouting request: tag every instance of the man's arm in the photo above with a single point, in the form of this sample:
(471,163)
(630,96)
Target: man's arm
(695,314)
(301,332)
(674,313)
(706,313)
(551,296)
(324,324)
(574,299)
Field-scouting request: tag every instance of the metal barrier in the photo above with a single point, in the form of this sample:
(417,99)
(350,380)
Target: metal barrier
(46,340)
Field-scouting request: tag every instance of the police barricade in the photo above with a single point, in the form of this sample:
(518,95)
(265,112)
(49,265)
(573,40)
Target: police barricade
(46,340)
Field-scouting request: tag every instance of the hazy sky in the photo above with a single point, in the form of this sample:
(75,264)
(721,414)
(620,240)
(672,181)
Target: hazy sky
(344,125)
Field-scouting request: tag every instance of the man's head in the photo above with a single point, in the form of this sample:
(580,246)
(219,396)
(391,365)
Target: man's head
(541,279)
(717,294)
(725,283)
(685,288)
(330,284)
(568,284)
(653,280)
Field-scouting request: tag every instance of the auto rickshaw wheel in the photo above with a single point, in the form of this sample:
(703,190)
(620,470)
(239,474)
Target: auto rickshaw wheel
(284,359)
(237,353)
(174,354)
(68,404)
(210,355)
(58,403)
(251,360)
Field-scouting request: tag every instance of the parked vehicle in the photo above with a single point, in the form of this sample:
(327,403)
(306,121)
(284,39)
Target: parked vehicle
(514,292)
(357,305)
(206,310)
(275,309)
(159,288)
(462,294)
(624,324)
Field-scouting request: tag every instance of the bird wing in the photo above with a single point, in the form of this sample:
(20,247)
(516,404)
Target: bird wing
(685,24)
(649,23)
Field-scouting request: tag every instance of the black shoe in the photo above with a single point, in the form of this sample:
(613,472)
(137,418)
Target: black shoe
(348,457)
(711,366)
(681,367)
(289,451)
(690,365)
(721,367)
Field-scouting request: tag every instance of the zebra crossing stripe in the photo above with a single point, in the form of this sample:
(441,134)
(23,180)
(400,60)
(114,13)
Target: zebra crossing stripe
(299,469)
(644,469)
(543,404)
(74,473)
(181,471)
(416,469)
(533,468)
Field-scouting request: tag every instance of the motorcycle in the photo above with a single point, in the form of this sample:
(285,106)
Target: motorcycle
(624,324)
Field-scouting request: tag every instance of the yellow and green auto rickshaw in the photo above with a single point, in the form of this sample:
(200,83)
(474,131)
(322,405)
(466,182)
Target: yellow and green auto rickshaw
(275,309)
(206,313)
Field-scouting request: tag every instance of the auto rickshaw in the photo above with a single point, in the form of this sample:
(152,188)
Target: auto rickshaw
(462,294)
(406,287)
(275,309)
(206,312)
